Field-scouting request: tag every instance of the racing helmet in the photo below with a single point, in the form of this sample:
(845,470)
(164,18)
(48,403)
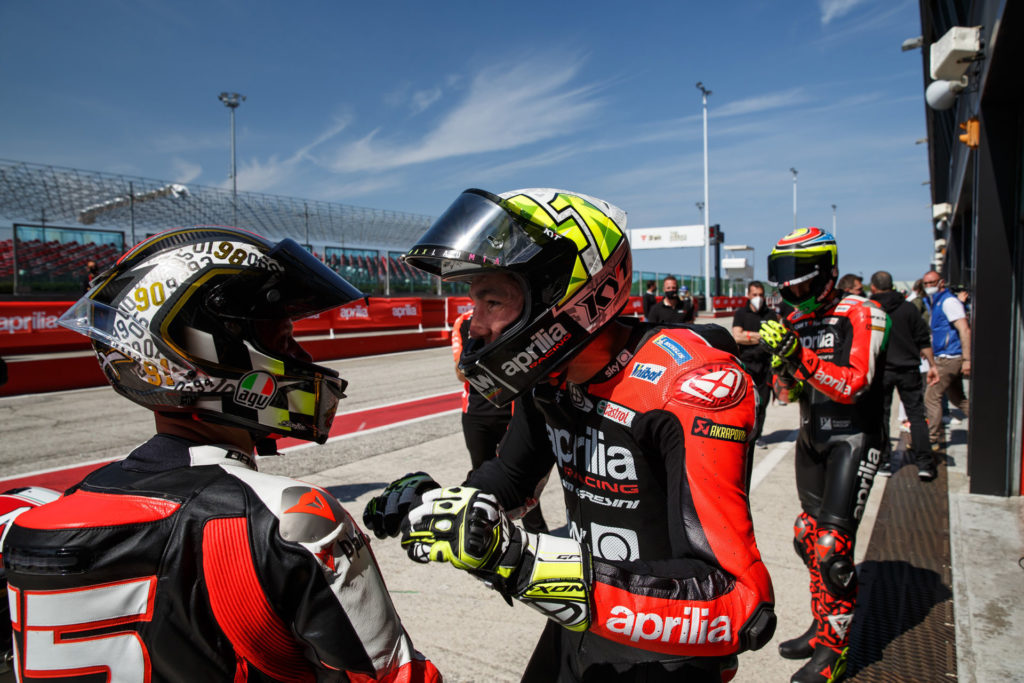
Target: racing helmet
(192,320)
(806,255)
(568,252)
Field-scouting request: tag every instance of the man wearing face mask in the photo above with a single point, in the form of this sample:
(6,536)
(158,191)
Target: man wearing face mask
(746,324)
(672,308)
(951,344)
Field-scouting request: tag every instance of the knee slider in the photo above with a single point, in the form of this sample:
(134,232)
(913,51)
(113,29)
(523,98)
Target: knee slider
(833,551)
(803,535)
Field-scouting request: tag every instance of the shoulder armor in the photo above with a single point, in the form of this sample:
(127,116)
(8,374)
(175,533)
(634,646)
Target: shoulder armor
(714,386)
(309,514)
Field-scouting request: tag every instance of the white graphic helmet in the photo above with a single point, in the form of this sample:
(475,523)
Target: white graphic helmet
(192,321)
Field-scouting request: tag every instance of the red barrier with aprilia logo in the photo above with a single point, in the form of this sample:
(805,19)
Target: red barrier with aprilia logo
(31,327)
(456,306)
(728,303)
(358,315)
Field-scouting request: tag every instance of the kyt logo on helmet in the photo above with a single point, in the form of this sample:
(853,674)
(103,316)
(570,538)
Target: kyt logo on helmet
(569,256)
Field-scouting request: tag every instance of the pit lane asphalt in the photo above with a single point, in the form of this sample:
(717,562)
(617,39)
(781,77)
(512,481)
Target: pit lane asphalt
(68,428)
(463,626)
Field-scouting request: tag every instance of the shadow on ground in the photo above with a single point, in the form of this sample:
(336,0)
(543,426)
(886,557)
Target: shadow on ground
(347,493)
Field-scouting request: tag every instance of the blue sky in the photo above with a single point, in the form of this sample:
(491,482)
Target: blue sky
(401,105)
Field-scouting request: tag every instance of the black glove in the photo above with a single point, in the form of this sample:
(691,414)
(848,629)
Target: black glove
(385,512)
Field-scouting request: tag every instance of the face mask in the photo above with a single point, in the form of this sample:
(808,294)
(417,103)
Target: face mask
(671,294)
(931,291)
(755,302)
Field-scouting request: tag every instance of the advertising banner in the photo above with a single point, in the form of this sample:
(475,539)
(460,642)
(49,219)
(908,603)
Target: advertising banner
(667,238)
(456,306)
(32,325)
(728,303)
(395,312)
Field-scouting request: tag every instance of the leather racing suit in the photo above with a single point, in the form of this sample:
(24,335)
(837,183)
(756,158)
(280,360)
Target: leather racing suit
(841,361)
(651,454)
(183,563)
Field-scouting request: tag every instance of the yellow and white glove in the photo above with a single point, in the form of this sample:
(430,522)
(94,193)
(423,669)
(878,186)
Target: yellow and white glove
(780,341)
(469,529)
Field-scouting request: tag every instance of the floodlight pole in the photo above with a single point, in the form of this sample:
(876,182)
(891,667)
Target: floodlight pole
(835,228)
(231,100)
(794,172)
(707,221)
(131,207)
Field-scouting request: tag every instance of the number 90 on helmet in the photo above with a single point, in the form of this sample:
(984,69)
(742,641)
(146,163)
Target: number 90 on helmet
(804,265)
(570,256)
(197,320)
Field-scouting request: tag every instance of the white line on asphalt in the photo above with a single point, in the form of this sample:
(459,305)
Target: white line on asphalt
(773,458)
(349,435)
(283,450)
(34,473)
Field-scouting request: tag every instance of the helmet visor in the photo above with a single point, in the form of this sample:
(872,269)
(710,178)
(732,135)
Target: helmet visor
(289,283)
(475,232)
(785,269)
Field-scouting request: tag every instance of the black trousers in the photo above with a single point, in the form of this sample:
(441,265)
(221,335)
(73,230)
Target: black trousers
(911,389)
(564,656)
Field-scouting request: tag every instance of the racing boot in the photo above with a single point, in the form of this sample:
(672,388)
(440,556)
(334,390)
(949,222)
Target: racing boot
(825,666)
(800,647)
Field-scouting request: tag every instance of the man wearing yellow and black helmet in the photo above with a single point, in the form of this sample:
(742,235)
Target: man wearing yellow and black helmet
(660,578)
(834,344)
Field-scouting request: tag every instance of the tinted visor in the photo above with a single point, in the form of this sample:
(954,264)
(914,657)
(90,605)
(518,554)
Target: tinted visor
(791,269)
(291,283)
(476,232)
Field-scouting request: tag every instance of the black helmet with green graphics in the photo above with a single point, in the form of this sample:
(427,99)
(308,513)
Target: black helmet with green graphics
(804,265)
(198,321)
(569,254)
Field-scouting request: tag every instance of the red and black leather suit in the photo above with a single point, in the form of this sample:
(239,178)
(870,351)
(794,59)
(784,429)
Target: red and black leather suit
(183,563)
(841,361)
(651,454)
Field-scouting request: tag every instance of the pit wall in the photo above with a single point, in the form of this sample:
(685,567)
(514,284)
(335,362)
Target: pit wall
(42,356)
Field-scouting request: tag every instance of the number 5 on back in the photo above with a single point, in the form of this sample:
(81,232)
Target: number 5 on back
(54,636)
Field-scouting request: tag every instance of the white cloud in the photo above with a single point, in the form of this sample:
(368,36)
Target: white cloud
(422,99)
(257,176)
(185,171)
(835,9)
(505,107)
(760,103)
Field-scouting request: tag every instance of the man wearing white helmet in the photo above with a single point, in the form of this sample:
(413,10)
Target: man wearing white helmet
(646,425)
(182,561)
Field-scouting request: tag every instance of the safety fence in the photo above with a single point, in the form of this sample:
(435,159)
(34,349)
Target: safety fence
(43,356)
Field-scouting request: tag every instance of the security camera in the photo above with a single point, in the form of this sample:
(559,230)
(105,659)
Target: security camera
(941,95)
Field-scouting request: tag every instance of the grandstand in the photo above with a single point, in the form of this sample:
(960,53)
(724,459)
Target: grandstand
(53,220)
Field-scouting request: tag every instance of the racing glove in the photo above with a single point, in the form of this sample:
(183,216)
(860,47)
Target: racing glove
(385,512)
(780,341)
(470,530)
